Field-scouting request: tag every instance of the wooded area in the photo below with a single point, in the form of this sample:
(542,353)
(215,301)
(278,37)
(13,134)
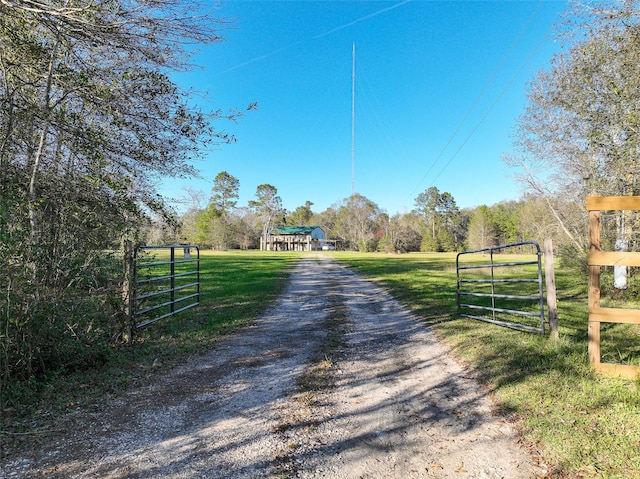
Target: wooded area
(89,117)
(357,223)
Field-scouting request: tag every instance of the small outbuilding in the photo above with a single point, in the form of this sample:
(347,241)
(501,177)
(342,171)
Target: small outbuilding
(294,238)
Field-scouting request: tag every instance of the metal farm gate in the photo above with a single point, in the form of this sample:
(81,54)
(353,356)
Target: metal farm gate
(500,289)
(164,284)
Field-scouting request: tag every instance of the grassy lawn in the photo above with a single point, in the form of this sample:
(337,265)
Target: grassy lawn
(235,288)
(582,425)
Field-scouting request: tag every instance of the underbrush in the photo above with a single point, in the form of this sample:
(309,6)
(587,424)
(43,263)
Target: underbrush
(236,288)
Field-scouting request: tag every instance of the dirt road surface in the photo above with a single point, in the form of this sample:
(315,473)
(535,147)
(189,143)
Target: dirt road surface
(336,381)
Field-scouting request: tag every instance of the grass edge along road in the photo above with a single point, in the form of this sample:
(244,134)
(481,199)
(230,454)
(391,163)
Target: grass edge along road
(236,287)
(582,425)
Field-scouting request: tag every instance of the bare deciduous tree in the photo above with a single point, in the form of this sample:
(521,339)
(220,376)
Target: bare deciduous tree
(356,221)
(267,208)
(580,131)
(89,118)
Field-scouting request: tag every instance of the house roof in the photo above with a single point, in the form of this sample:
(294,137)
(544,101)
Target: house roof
(294,230)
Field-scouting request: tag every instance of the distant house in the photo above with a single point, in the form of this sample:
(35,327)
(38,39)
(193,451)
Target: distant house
(294,238)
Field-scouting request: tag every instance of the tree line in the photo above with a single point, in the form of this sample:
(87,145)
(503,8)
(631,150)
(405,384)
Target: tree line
(435,224)
(90,118)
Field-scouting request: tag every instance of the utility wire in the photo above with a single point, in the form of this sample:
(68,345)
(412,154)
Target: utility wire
(315,37)
(466,140)
(477,100)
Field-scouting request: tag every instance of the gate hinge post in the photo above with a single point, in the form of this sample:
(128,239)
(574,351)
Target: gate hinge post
(128,291)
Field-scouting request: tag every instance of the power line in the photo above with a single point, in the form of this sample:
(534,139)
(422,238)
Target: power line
(314,37)
(477,100)
(466,140)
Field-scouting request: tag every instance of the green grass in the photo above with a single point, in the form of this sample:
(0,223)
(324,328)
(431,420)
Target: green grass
(581,424)
(236,288)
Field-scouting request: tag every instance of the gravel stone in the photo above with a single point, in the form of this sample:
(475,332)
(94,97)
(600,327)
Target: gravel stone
(393,403)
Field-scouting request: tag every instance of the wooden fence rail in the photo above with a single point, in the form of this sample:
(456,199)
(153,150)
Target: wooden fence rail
(598,258)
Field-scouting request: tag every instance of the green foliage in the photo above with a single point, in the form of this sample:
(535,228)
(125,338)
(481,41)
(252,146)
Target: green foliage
(444,228)
(215,225)
(49,329)
(506,217)
(571,258)
(385,245)
(482,229)
(301,216)
(446,241)
(429,244)
(89,118)
(236,288)
(224,194)
(205,227)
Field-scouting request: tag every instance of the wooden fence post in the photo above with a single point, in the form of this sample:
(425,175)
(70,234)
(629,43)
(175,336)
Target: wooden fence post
(550,278)
(594,289)
(128,291)
(596,260)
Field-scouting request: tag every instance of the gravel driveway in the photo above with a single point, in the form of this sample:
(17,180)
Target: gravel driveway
(336,380)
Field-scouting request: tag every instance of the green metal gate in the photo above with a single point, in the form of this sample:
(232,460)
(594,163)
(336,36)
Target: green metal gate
(166,280)
(501,291)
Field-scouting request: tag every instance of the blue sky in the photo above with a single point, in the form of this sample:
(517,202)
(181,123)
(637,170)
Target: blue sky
(438,88)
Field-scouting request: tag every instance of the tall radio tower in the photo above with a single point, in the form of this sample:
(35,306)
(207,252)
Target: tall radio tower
(353,119)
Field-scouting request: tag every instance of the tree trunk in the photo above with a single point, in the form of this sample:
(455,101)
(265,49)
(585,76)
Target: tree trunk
(37,159)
